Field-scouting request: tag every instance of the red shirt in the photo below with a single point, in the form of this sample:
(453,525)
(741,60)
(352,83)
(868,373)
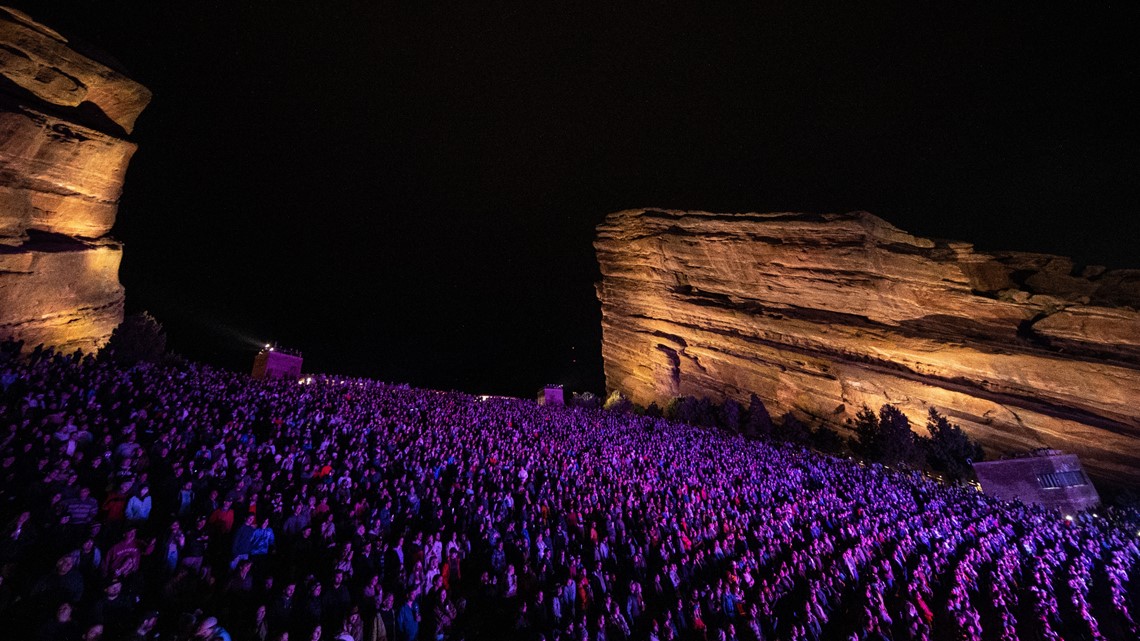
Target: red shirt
(221,521)
(115,506)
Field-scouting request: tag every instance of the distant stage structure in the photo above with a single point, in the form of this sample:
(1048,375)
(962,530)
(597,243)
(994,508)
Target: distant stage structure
(274,362)
(552,395)
(1044,477)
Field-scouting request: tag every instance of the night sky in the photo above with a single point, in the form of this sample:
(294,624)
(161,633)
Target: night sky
(410,192)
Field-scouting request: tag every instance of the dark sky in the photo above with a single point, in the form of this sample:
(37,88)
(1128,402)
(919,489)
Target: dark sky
(409,190)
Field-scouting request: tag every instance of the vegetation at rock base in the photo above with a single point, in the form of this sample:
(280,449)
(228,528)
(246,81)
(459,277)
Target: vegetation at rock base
(138,339)
(949,450)
(884,437)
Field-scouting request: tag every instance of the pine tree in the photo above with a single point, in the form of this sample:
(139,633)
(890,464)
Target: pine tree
(759,422)
(950,450)
(886,438)
(865,443)
(731,415)
(900,445)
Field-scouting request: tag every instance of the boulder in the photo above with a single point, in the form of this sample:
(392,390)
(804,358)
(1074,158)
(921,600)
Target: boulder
(63,159)
(43,64)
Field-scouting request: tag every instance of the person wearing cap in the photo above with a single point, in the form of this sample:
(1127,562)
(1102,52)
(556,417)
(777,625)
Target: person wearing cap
(210,630)
(115,611)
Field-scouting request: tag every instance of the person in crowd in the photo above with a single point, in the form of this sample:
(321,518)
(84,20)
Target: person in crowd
(138,507)
(369,511)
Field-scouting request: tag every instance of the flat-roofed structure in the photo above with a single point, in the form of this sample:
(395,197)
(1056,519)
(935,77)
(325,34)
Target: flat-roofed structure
(551,395)
(1045,477)
(272,362)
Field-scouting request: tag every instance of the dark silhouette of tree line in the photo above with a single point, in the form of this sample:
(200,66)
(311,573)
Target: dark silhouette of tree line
(885,437)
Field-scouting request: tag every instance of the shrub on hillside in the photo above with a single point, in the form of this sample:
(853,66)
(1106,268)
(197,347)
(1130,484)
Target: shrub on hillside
(696,411)
(827,440)
(617,402)
(138,339)
(586,400)
(793,430)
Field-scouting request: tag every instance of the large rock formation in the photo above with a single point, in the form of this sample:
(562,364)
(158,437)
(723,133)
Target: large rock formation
(820,314)
(63,157)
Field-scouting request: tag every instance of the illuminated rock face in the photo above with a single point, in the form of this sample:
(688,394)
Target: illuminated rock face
(38,60)
(63,158)
(58,176)
(820,314)
(68,296)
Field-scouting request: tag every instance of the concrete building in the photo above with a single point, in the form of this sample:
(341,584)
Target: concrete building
(272,362)
(551,395)
(1045,477)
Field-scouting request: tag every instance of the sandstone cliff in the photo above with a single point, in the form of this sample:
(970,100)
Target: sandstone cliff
(63,158)
(819,314)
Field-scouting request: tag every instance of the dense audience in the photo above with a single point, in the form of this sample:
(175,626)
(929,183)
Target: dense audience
(184,502)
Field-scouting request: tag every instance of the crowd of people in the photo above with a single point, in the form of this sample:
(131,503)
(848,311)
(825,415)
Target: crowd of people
(181,502)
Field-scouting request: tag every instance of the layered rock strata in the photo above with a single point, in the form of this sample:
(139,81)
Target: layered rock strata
(821,314)
(64,118)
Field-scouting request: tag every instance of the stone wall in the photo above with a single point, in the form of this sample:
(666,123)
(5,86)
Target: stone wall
(820,314)
(64,118)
